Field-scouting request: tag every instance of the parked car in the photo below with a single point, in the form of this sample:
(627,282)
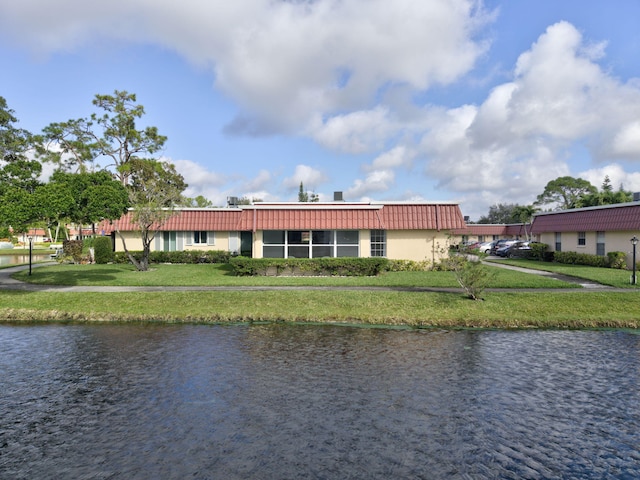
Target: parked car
(516,249)
(485,247)
(499,244)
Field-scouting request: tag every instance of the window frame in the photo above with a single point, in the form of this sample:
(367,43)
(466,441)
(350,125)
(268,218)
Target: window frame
(301,244)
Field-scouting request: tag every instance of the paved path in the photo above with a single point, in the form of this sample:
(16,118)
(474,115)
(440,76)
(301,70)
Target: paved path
(8,283)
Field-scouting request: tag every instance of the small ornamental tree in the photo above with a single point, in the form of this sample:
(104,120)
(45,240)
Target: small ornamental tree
(472,275)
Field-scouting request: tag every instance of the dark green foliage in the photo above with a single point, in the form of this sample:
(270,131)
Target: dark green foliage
(73,249)
(573,258)
(347,266)
(187,257)
(617,260)
(103,250)
(538,250)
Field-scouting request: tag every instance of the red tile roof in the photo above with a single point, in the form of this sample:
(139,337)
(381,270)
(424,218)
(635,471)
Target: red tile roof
(391,216)
(311,216)
(185,220)
(622,216)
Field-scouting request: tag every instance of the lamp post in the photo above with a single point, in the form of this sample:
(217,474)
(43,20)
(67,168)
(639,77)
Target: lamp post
(30,252)
(634,242)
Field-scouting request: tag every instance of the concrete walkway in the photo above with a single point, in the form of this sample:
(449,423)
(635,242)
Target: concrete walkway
(8,283)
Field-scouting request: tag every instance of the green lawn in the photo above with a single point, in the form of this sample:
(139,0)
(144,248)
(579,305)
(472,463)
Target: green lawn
(554,308)
(219,275)
(571,309)
(606,276)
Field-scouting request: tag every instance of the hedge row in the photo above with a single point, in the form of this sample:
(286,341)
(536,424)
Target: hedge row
(186,256)
(344,266)
(612,260)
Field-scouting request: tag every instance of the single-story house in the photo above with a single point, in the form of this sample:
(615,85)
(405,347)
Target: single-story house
(397,230)
(594,230)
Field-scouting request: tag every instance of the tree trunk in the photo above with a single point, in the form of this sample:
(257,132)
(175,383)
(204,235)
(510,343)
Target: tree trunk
(139,265)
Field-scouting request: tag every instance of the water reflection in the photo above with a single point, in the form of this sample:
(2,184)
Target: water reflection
(277,401)
(22,259)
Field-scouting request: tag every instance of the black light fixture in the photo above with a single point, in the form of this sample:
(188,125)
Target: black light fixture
(634,242)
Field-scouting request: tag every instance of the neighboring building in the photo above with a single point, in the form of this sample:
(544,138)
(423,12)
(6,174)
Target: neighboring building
(397,230)
(484,232)
(594,230)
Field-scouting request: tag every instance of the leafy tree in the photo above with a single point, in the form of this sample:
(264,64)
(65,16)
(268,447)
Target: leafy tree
(606,195)
(112,135)
(96,196)
(565,192)
(249,201)
(304,196)
(154,189)
(500,213)
(17,170)
(198,202)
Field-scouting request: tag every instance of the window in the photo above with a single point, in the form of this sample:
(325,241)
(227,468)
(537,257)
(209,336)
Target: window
(170,241)
(582,239)
(378,243)
(310,243)
(558,242)
(600,244)
(199,237)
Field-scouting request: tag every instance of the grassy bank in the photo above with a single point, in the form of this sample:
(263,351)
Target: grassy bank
(419,309)
(569,308)
(219,275)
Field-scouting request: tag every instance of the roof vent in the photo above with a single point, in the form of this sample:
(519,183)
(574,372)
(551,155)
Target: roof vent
(337,197)
(636,196)
(232,201)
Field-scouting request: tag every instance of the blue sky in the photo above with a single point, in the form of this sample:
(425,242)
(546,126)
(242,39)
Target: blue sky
(448,100)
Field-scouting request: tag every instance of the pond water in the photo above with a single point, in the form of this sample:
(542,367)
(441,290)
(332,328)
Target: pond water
(325,402)
(22,259)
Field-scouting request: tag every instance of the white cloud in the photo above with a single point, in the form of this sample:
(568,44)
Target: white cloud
(626,143)
(399,156)
(285,62)
(630,181)
(196,175)
(356,132)
(375,182)
(309,176)
(260,182)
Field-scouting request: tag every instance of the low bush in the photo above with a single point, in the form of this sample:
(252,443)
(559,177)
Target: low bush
(345,266)
(408,266)
(73,249)
(575,258)
(186,256)
(617,260)
(538,250)
(103,250)
(471,275)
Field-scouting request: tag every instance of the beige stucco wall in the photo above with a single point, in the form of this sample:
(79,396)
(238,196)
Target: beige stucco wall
(134,242)
(613,242)
(417,245)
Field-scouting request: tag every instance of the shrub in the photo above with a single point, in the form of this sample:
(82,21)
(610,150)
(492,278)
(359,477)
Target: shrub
(344,266)
(471,275)
(538,250)
(617,260)
(575,258)
(408,266)
(186,256)
(73,249)
(103,250)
